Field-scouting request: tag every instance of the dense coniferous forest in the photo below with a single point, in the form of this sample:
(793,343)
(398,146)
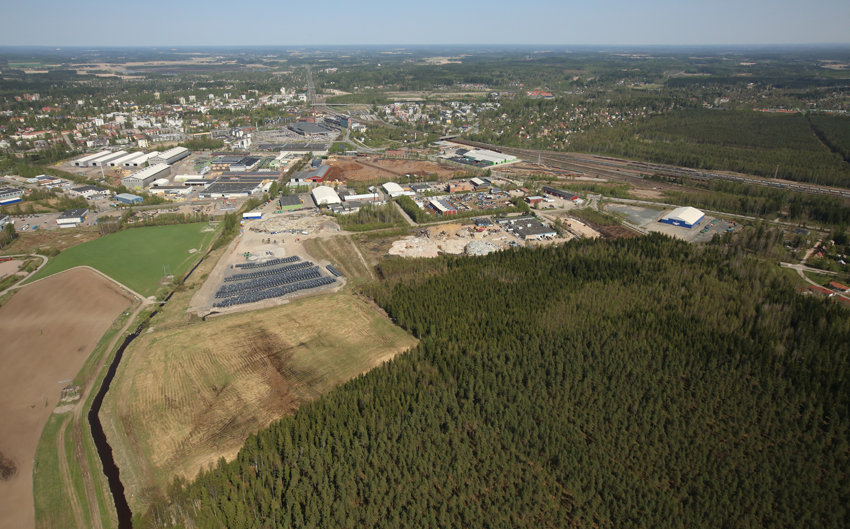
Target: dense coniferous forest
(784,145)
(640,382)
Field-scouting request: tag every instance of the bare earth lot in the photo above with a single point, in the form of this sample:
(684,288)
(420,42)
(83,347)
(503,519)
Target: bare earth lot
(48,330)
(361,169)
(185,397)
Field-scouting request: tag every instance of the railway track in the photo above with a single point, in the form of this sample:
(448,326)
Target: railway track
(602,165)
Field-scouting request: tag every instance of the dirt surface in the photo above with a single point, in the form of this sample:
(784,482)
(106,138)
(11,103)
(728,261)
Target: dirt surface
(49,329)
(187,396)
(258,241)
(368,168)
(30,241)
(8,268)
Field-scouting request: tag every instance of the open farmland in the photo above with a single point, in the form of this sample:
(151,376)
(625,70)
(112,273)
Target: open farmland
(135,257)
(49,329)
(185,397)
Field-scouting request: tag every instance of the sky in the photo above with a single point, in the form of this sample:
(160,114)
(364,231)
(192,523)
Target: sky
(385,22)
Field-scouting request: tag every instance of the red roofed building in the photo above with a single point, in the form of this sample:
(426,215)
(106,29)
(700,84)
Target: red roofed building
(838,286)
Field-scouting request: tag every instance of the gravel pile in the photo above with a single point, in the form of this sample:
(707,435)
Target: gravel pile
(480,248)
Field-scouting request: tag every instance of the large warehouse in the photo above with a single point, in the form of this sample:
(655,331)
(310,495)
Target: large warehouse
(104,161)
(325,196)
(84,161)
(146,176)
(170,156)
(311,129)
(686,217)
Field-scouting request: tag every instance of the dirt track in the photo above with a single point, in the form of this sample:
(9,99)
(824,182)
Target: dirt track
(49,329)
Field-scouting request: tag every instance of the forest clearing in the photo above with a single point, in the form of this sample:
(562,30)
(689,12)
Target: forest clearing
(187,396)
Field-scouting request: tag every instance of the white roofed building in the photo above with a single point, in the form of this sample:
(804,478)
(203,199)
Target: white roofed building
(325,196)
(686,217)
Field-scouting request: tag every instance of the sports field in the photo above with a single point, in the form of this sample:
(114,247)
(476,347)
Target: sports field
(136,257)
(186,396)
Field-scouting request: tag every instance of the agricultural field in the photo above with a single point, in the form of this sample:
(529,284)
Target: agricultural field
(186,396)
(49,330)
(135,257)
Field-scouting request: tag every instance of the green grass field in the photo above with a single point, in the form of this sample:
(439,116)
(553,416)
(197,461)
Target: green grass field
(136,257)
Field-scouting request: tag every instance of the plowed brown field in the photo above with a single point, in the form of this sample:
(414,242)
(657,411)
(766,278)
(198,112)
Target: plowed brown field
(48,330)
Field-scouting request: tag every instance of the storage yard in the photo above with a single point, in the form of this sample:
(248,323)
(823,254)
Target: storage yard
(267,264)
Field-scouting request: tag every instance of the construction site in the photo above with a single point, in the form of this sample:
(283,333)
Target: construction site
(368,168)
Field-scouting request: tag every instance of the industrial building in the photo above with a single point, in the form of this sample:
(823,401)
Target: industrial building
(104,161)
(72,218)
(485,157)
(127,198)
(227,189)
(10,195)
(311,129)
(118,162)
(686,217)
(88,192)
(531,229)
(234,163)
(170,190)
(443,208)
(395,190)
(325,196)
(252,215)
(290,202)
(170,156)
(140,160)
(304,177)
(84,161)
(144,178)
(566,195)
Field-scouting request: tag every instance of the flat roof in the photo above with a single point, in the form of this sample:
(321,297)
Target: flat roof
(290,200)
(74,214)
(306,127)
(230,187)
(128,196)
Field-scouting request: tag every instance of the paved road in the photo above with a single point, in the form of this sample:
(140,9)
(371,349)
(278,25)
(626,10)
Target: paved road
(803,268)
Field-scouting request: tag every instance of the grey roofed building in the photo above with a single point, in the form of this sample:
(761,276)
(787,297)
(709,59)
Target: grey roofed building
(311,129)
(293,147)
(9,192)
(533,229)
(290,200)
(146,176)
(220,189)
